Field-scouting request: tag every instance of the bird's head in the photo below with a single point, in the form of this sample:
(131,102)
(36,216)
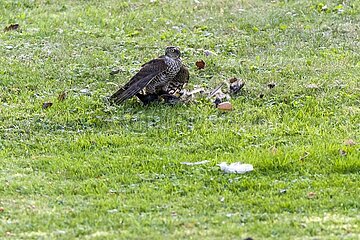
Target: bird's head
(172,52)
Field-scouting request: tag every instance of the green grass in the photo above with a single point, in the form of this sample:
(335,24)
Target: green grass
(82,169)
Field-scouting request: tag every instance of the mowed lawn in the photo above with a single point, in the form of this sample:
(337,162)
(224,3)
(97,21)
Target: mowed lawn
(81,169)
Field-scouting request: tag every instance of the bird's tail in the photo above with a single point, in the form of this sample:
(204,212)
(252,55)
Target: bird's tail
(117,95)
(130,90)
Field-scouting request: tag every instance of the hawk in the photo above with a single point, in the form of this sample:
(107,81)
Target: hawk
(165,75)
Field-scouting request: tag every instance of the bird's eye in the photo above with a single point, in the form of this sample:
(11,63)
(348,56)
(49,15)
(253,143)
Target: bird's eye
(172,50)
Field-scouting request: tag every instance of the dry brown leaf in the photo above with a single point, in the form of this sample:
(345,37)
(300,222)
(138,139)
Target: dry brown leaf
(47,105)
(11,27)
(232,80)
(225,106)
(200,64)
(311,195)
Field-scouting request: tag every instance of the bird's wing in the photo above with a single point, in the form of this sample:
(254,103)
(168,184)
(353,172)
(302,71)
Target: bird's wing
(147,73)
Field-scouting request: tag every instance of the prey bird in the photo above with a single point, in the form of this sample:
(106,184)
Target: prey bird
(163,76)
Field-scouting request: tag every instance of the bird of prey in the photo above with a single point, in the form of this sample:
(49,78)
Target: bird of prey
(164,75)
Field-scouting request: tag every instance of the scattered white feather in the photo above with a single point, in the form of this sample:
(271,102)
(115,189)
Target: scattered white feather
(112,211)
(84,91)
(195,163)
(236,167)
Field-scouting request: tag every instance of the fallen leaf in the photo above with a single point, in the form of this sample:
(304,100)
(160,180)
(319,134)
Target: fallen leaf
(2,209)
(271,85)
(11,27)
(47,105)
(200,64)
(232,80)
(62,96)
(225,106)
(349,142)
(311,195)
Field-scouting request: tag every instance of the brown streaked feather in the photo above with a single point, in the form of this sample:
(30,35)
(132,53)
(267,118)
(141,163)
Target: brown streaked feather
(138,82)
(182,76)
(179,81)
